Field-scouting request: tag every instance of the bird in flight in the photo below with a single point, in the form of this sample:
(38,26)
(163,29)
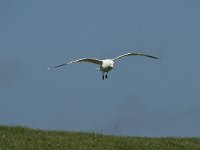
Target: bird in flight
(105,65)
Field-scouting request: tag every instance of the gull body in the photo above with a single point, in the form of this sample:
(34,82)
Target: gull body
(105,65)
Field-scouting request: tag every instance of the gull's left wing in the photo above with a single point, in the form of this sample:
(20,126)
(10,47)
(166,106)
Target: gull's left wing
(134,54)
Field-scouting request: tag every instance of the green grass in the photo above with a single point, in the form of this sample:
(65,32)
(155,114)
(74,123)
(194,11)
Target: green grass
(19,138)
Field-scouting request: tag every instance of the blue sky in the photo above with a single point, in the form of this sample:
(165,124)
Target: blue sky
(142,96)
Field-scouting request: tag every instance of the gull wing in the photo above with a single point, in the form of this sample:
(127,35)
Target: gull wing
(134,54)
(91,60)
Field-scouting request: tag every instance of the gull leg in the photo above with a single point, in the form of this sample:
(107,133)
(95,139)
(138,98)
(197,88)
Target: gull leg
(103,75)
(106,75)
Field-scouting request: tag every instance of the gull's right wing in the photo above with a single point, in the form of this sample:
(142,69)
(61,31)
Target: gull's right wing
(90,60)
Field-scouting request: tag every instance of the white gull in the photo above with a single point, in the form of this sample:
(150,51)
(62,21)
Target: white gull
(105,65)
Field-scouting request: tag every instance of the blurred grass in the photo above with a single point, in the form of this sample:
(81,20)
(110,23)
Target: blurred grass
(20,138)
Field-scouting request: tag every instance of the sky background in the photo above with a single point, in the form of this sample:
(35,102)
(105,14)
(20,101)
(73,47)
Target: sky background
(141,97)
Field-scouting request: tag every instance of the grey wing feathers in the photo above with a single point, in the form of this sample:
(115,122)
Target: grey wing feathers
(91,60)
(134,54)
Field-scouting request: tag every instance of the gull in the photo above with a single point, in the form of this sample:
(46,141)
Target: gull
(105,65)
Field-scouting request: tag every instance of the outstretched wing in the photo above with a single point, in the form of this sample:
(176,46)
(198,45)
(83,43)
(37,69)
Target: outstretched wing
(91,60)
(134,54)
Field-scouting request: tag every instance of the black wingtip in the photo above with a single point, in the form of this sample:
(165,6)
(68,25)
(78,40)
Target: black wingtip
(59,65)
(56,66)
(153,57)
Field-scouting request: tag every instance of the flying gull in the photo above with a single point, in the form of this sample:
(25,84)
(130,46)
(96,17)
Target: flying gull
(105,65)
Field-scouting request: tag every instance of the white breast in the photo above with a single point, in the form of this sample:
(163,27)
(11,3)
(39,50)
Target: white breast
(107,65)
